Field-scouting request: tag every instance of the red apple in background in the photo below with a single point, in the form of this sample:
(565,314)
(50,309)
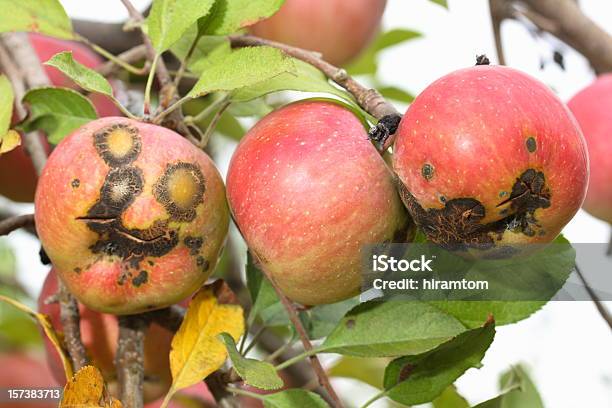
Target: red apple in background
(99,333)
(22,371)
(132,215)
(307,190)
(339,29)
(489,157)
(592,107)
(17,174)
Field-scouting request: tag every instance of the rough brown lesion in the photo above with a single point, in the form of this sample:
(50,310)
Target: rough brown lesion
(163,191)
(458,225)
(109,154)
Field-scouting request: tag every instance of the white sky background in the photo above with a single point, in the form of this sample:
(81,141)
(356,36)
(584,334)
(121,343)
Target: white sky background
(566,345)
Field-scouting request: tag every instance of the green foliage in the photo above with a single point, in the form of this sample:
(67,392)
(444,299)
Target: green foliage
(58,111)
(450,398)
(229,16)
(367,64)
(259,374)
(241,68)
(518,391)
(170,19)
(261,290)
(391,329)
(443,3)
(395,93)
(6,104)
(367,370)
(38,16)
(293,398)
(86,78)
(420,378)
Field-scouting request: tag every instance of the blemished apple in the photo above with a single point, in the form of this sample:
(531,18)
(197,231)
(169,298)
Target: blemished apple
(308,190)
(17,175)
(339,29)
(592,107)
(99,333)
(490,159)
(132,215)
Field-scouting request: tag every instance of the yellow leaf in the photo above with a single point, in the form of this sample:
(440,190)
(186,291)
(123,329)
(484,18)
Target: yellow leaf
(87,389)
(45,323)
(8,142)
(196,350)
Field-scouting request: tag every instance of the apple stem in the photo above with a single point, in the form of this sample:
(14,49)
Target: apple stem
(19,221)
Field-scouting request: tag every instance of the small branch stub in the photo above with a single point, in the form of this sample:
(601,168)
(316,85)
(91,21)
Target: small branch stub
(385,127)
(482,60)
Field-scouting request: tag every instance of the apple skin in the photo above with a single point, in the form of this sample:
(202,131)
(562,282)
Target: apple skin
(132,215)
(339,29)
(99,333)
(17,174)
(488,157)
(307,190)
(592,108)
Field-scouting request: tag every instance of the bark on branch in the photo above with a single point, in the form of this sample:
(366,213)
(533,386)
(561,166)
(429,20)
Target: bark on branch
(20,221)
(130,359)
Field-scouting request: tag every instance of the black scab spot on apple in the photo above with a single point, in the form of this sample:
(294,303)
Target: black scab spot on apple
(109,153)
(531,144)
(194,244)
(203,263)
(140,279)
(458,225)
(121,187)
(75,183)
(427,171)
(182,212)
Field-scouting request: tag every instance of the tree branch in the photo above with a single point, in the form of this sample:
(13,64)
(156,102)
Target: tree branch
(71,327)
(299,327)
(565,20)
(20,221)
(601,308)
(130,56)
(130,359)
(499,11)
(369,99)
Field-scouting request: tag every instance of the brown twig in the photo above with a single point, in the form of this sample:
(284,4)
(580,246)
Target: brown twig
(217,386)
(299,327)
(71,327)
(605,314)
(20,221)
(130,359)
(565,20)
(499,11)
(131,56)
(369,99)
(110,36)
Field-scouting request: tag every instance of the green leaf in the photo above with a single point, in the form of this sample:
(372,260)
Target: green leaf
(294,398)
(367,61)
(450,398)
(395,93)
(323,319)
(367,370)
(58,111)
(305,78)
(242,68)
(7,98)
(227,125)
(258,374)
(418,379)
(228,16)
(442,3)
(86,78)
(556,261)
(391,329)
(262,293)
(37,16)
(206,50)
(518,391)
(170,19)
(255,107)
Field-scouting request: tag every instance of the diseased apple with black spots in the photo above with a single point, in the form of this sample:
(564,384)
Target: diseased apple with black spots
(592,107)
(307,190)
(132,215)
(489,158)
(99,333)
